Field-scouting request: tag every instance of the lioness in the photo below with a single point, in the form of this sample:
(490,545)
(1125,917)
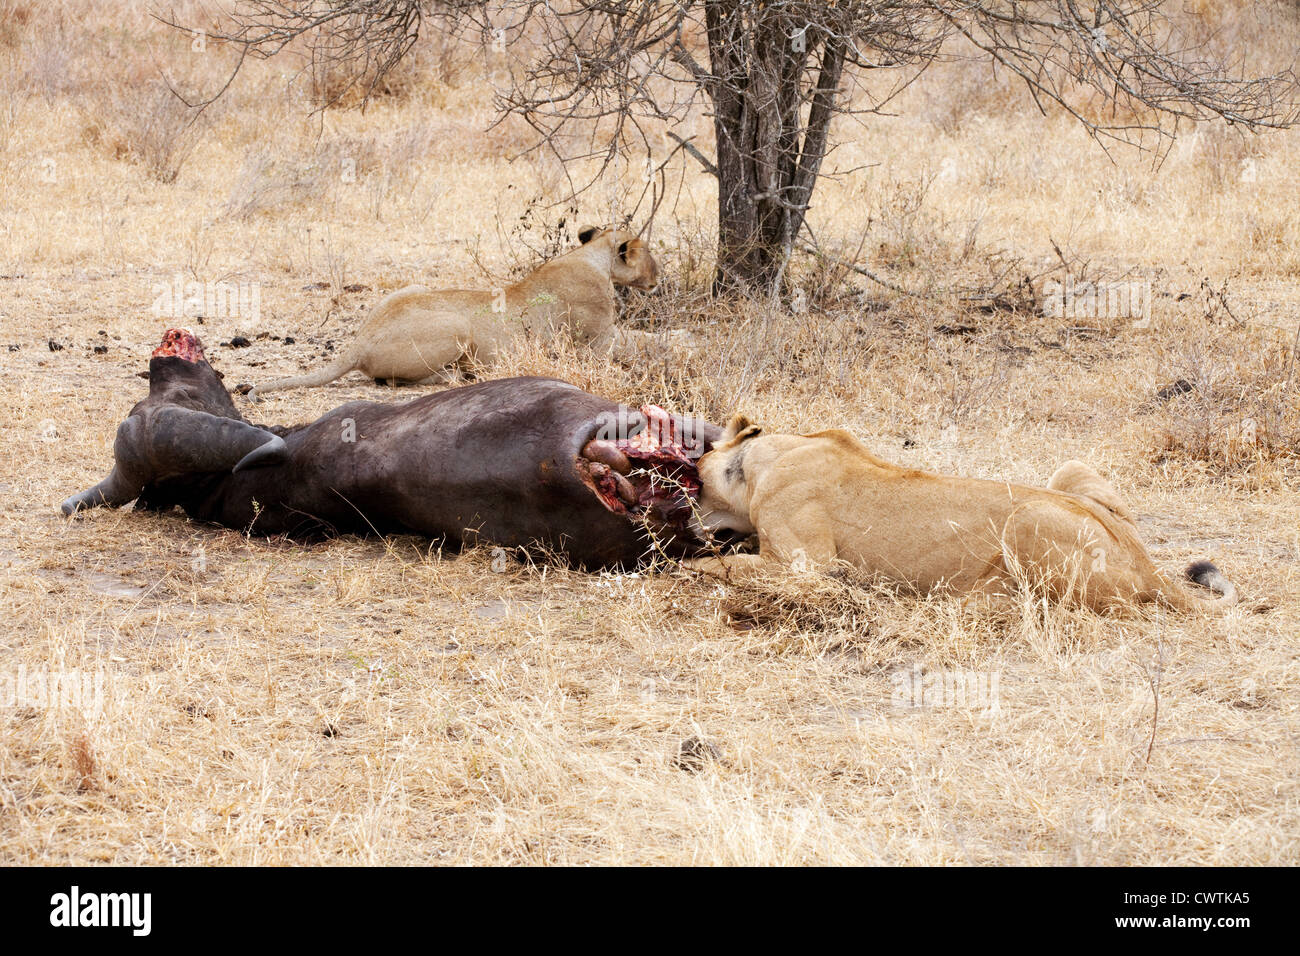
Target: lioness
(422,336)
(817,498)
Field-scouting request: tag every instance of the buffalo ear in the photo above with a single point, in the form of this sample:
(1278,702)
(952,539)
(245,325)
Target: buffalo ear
(587,234)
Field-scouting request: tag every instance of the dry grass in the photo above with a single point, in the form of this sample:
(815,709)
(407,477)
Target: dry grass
(381,702)
(1230,404)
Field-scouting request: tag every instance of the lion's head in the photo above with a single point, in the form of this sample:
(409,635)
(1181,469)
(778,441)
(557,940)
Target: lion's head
(723,503)
(633,265)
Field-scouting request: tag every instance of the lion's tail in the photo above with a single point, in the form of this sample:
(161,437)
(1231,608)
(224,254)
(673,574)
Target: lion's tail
(1203,574)
(339,367)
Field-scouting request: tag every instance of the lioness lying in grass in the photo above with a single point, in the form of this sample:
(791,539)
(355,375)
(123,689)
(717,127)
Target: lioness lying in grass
(815,499)
(425,336)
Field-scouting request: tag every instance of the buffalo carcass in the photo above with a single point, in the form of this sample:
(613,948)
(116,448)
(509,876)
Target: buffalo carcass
(517,462)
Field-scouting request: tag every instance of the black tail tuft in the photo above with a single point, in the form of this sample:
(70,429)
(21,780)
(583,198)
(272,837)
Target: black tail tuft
(1204,574)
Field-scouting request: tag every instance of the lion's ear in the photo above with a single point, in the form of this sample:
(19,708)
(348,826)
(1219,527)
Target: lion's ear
(588,234)
(740,428)
(622,251)
(735,425)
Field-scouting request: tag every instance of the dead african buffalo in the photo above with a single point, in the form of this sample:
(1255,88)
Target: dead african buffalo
(516,462)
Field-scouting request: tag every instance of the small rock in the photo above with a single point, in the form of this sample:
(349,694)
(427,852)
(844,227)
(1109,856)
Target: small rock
(239,342)
(100,350)
(243,388)
(1179,387)
(289,340)
(55,346)
(693,753)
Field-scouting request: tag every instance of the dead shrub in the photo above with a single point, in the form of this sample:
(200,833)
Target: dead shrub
(269,179)
(15,15)
(83,760)
(964,89)
(142,122)
(1233,403)
(1227,156)
(438,61)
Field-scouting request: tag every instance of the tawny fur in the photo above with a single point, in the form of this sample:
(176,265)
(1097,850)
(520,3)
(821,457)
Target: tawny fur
(421,335)
(824,497)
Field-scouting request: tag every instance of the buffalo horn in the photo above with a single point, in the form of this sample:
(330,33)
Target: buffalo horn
(184,441)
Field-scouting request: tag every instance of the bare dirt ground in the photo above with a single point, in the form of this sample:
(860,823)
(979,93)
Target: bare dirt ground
(377,701)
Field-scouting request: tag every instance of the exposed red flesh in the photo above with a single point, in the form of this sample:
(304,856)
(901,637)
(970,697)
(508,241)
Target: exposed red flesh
(606,477)
(661,479)
(182,344)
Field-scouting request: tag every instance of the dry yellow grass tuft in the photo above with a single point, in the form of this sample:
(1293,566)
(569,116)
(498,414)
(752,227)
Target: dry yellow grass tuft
(173,693)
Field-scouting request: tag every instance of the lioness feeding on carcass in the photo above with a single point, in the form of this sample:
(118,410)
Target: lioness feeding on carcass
(815,499)
(513,462)
(425,336)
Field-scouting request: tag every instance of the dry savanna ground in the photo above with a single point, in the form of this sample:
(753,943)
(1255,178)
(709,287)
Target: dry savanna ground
(384,702)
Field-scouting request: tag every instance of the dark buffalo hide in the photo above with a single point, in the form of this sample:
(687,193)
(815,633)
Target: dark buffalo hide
(517,462)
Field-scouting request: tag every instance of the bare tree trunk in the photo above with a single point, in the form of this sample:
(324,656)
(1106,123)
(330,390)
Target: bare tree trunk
(768,155)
